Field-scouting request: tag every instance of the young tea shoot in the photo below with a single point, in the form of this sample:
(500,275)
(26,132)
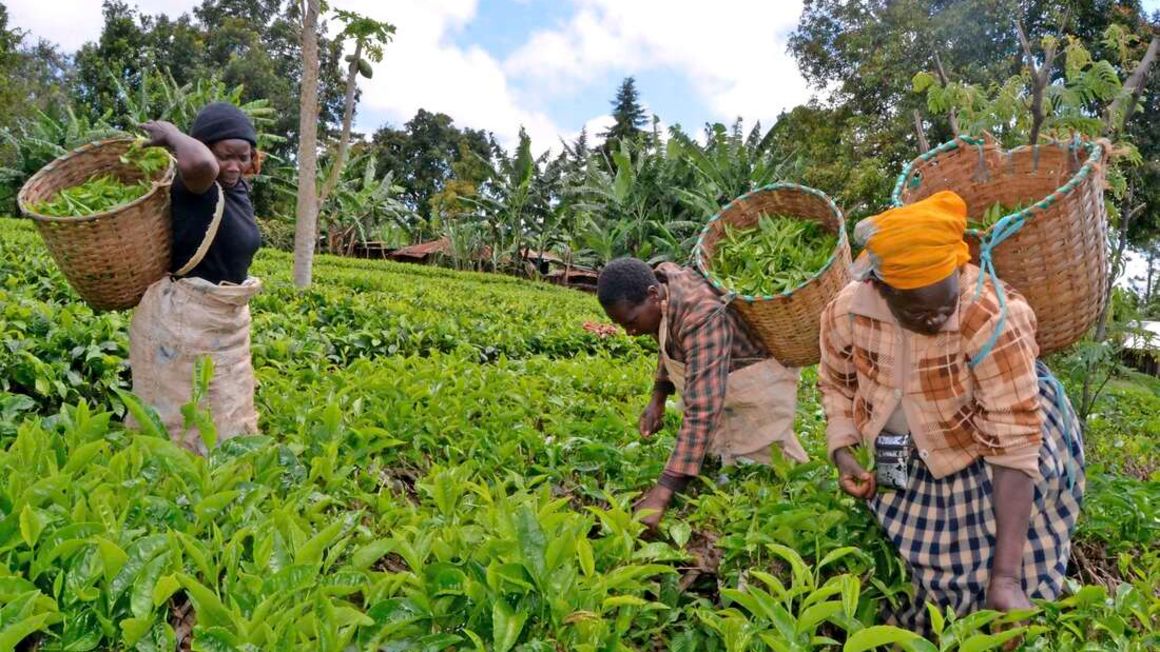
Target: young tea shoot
(777,256)
(104,192)
(993,214)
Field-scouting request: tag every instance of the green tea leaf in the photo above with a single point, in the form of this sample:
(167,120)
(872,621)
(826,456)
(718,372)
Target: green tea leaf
(210,610)
(585,556)
(506,625)
(877,636)
(311,552)
(31,525)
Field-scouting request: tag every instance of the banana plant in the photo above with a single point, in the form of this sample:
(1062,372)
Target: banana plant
(361,206)
(729,164)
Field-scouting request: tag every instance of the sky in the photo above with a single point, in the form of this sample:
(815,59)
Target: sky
(551,66)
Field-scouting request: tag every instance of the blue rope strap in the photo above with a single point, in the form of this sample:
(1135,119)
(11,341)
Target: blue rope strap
(1002,230)
(1066,413)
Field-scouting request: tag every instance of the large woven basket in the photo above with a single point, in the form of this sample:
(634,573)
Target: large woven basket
(788,323)
(109,258)
(1058,259)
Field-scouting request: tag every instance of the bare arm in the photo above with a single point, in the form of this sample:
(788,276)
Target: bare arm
(195,162)
(1013,494)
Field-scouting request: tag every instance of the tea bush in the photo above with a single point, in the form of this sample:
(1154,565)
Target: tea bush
(448,461)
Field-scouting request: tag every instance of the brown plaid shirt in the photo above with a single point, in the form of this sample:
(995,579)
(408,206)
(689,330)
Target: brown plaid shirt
(712,341)
(870,365)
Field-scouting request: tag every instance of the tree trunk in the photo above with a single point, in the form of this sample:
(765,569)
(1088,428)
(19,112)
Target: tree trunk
(1136,83)
(347,117)
(1133,87)
(1127,212)
(1040,77)
(944,80)
(1090,392)
(1151,276)
(923,146)
(307,212)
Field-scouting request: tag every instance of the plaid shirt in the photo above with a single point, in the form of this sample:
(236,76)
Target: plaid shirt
(712,341)
(956,414)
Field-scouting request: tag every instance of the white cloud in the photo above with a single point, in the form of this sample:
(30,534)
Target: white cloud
(733,51)
(598,125)
(72,23)
(423,69)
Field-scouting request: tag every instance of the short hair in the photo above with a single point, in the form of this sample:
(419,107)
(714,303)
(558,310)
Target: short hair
(625,279)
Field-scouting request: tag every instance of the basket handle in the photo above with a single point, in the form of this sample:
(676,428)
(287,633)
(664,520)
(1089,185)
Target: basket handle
(210,234)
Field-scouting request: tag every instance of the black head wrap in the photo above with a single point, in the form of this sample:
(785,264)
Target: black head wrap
(223,121)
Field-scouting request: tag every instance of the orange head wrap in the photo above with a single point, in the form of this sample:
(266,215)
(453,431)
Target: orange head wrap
(916,245)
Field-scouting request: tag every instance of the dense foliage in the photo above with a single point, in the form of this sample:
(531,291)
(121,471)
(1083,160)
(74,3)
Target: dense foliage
(447,462)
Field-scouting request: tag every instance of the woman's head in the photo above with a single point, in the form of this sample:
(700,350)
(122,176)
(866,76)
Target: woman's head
(912,254)
(231,136)
(630,294)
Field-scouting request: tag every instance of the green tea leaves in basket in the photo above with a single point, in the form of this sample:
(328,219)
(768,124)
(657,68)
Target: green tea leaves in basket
(777,256)
(993,214)
(103,192)
(150,160)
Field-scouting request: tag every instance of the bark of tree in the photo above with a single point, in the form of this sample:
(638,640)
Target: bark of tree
(347,118)
(307,211)
(944,80)
(1149,286)
(923,146)
(1128,210)
(1133,87)
(1040,78)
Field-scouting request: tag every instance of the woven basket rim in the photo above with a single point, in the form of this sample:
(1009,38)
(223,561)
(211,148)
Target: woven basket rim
(703,267)
(165,180)
(1096,154)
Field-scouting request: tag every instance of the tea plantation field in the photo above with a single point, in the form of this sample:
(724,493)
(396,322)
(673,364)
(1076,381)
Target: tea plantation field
(449,462)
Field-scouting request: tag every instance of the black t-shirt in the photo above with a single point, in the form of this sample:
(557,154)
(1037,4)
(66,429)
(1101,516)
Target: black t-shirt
(237,239)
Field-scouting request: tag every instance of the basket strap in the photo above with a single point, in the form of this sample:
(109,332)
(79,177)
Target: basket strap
(210,234)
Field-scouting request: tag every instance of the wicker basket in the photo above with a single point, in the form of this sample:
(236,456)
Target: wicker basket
(787,323)
(1058,260)
(109,258)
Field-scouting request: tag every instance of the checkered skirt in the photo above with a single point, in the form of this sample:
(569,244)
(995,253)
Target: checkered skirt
(945,528)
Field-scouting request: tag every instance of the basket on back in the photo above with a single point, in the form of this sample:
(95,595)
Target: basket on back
(1057,259)
(786,323)
(109,258)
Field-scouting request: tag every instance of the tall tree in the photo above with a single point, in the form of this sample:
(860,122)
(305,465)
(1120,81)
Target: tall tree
(306,225)
(116,60)
(33,76)
(868,52)
(422,155)
(629,118)
(252,43)
(256,43)
(369,37)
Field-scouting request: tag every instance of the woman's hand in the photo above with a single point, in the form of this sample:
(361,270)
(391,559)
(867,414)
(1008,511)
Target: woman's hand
(196,164)
(653,504)
(653,417)
(1012,494)
(1006,594)
(852,478)
(160,133)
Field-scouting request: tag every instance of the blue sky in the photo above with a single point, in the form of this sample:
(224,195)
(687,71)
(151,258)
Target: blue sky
(549,65)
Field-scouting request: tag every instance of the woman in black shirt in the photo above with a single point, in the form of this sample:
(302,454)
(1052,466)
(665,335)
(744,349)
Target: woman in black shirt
(202,308)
